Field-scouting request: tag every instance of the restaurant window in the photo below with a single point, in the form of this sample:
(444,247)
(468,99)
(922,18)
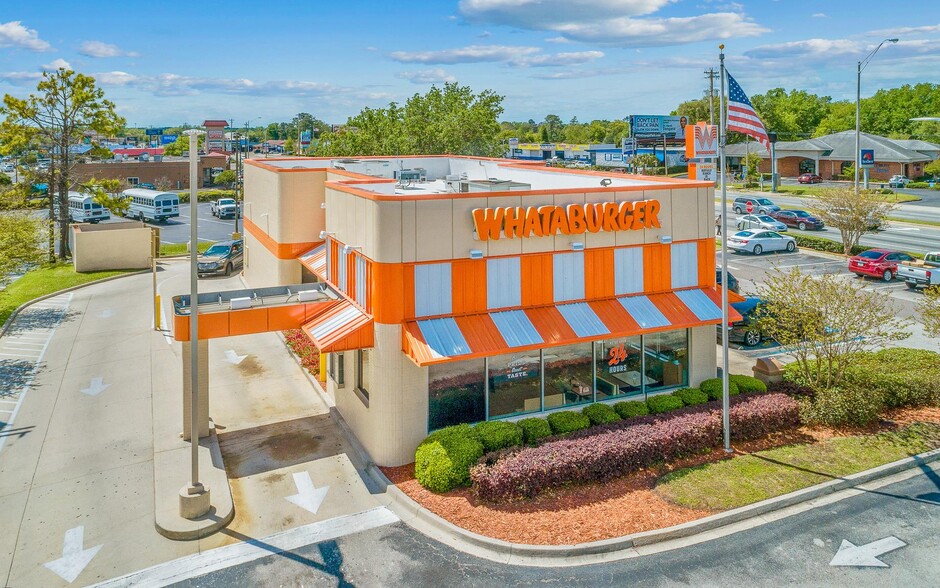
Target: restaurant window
(515,384)
(337,369)
(569,375)
(619,365)
(667,360)
(363,375)
(456,393)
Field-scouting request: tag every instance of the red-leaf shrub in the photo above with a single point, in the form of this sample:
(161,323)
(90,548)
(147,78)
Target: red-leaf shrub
(304,348)
(619,448)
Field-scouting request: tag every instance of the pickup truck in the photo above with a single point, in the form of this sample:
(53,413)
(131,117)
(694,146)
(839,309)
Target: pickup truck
(224,207)
(921,273)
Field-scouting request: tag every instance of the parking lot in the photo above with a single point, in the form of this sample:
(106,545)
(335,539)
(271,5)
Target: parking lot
(176,230)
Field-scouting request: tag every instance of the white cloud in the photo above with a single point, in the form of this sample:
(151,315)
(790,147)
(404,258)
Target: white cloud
(485,35)
(470,54)
(557,40)
(20,78)
(427,76)
(573,58)
(101,49)
(57,64)
(908,30)
(807,48)
(14,34)
(624,23)
(820,15)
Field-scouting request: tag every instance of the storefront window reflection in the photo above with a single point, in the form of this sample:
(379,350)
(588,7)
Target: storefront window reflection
(515,383)
(667,360)
(569,375)
(619,365)
(456,393)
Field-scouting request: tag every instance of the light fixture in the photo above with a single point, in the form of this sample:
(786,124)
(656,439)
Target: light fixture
(664,239)
(325,234)
(577,246)
(476,254)
(606,182)
(323,205)
(348,248)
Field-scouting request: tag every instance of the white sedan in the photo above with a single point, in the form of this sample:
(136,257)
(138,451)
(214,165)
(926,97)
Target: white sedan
(760,221)
(757,241)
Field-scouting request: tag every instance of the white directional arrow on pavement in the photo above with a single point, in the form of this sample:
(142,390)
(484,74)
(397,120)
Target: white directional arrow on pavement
(234,358)
(95,387)
(308,496)
(107,313)
(865,555)
(74,558)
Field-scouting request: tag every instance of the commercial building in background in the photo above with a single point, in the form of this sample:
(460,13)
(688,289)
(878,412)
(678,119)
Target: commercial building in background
(215,134)
(471,289)
(142,166)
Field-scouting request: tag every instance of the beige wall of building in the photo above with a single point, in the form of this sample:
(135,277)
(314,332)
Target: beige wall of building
(110,246)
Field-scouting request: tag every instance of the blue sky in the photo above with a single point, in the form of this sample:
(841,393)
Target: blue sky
(169,62)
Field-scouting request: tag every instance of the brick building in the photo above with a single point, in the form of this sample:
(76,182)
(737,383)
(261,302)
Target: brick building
(134,171)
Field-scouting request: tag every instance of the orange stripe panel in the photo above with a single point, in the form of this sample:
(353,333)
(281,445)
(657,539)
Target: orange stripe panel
(245,322)
(414,345)
(537,286)
(706,263)
(481,334)
(674,310)
(599,273)
(657,268)
(615,316)
(387,295)
(282,318)
(551,325)
(279,250)
(468,285)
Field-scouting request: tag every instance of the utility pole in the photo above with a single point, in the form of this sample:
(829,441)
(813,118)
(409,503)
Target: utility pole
(711,74)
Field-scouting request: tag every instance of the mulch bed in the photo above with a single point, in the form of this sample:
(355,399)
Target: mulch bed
(626,505)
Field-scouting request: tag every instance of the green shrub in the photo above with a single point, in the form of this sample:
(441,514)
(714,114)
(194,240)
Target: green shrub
(918,185)
(747,384)
(444,458)
(902,377)
(691,396)
(601,414)
(841,406)
(497,435)
(713,389)
(631,408)
(663,403)
(567,422)
(534,429)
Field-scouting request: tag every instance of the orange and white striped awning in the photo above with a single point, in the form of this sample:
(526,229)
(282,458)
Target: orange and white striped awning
(340,327)
(452,338)
(315,261)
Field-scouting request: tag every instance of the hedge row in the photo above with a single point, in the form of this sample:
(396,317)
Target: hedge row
(615,450)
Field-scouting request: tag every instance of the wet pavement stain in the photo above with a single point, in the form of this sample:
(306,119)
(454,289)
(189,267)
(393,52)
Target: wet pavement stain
(250,367)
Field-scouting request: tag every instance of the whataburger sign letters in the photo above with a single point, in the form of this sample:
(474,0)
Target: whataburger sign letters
(573,219)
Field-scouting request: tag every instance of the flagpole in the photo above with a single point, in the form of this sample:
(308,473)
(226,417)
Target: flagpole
(722,132)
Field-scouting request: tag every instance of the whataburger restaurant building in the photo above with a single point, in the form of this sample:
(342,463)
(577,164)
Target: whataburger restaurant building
(467,289)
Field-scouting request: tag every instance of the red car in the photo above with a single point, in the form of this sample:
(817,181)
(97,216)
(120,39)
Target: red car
(799,219)
(878,263)
(809,179)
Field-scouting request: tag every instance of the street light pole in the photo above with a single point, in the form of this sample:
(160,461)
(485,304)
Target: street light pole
(858,107)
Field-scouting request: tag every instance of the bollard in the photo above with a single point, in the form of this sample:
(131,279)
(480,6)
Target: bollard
(156,312)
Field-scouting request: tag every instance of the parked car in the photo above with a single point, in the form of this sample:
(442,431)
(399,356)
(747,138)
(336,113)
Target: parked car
(921,273)
(221,258)
(224,208)
(7,168)
(732,281)
(878,263)
(745,331)
(757,241)
(898,181)
(758,205)
(799,219)
(760,221)
(809,179)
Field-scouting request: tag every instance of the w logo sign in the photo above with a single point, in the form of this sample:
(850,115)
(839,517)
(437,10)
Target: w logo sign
(705,141)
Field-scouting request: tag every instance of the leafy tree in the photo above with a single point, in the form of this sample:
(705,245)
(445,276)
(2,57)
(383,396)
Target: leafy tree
(827,319)
(752,162)
(932,168)
(697,110)
(225,178)
(68,104)
(98,152)
(181,145)
(107,193)
(289,145)
(20,238)
(553,128)
(163,183)
(645,161)
(929,309)
(794,115)
(854,215)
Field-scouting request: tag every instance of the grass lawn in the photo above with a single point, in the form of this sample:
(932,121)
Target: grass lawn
(45,280)
(168,249)
(751,478)
(808,190)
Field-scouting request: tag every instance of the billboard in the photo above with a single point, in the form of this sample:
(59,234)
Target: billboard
(215,139)
(657,126)
(167,139)
(305,139)
(867,157)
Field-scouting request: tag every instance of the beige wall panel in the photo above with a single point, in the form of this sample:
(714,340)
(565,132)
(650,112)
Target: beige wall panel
(388,232)
(97,250)
(538,244)
(463,240)
(685,214)
(563,242)
(261,194)
(706,212)
(502,246)
(434,228)
(335,211)
(300,216)
(409,239)
(703,354)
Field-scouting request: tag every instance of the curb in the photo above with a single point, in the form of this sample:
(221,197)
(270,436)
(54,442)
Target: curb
(21,307)
(409,510)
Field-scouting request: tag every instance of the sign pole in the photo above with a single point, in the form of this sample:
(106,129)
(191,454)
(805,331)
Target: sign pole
(722,137)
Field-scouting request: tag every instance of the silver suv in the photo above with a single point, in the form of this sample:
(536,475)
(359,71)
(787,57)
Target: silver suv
(898,181)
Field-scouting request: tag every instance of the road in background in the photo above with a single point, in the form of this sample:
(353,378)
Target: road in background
(926,210)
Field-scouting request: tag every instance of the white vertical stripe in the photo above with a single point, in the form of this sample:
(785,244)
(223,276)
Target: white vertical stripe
(432,289)
(568,276)
(503,282)
(684,258)
(628,270)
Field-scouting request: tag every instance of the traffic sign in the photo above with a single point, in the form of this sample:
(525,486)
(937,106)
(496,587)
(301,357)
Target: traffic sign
(750,207)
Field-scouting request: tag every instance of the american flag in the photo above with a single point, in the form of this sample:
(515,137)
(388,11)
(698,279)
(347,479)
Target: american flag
(741,115)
